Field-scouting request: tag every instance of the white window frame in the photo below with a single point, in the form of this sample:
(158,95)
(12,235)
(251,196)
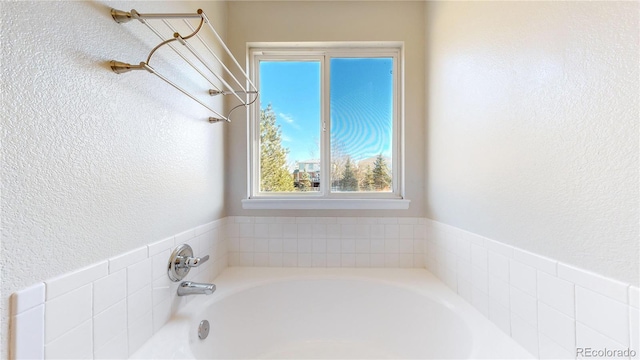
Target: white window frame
(325,198)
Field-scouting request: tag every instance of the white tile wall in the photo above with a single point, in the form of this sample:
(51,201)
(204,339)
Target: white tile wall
(499,291)
(121,261)
(138,303)
(77,343)
(522,277)
(634,297)
(114,349)
(549,307)
(28,298)
(587,337)
(67,311)
(140,331)
(557,293)
(27,333)
(108,324)
(557,326)
(549,349)
(524,305)
(109,309)
(634,328)
(109,290)
(595,282)
(525,334)
(65,283)
(326,241)
(608,316)
(500,315)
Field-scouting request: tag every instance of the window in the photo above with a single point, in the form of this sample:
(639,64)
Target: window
(327,127)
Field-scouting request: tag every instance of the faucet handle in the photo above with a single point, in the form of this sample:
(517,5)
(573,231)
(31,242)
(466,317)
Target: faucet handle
(181,261)
(196,261)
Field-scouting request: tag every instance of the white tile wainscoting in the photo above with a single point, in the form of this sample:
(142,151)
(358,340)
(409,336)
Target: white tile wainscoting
(326,241)
(109,309)
(549,307)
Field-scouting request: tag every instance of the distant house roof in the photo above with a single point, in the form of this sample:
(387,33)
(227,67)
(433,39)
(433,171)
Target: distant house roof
(310,161)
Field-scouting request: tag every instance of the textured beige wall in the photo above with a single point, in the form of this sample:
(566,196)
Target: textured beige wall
(94,163)
(533,127)
(299,21)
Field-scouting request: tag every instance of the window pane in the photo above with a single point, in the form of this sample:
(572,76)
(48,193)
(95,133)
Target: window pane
(289,126)
(361,124)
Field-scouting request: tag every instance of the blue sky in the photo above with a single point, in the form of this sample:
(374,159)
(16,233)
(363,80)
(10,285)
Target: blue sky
(361,105)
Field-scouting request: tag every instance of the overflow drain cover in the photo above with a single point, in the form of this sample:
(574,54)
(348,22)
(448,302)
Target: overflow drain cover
(203,329)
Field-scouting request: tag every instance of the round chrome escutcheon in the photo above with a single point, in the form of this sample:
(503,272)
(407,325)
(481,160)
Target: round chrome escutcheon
(203,329)
(177,268)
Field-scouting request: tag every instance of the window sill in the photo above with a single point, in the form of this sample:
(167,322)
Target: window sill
(325,204)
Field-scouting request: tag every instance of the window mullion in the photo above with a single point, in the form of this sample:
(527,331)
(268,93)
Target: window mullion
(325,161)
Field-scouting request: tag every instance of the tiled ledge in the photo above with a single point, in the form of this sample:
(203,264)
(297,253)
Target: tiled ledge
(549,307)
(109,309)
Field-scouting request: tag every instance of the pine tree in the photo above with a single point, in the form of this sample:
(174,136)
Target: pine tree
(338,160)
(366,179)
(304,184)
(274,174)
(381,177)
(349,181)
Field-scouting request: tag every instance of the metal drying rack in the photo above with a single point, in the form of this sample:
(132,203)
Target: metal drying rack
(226,89)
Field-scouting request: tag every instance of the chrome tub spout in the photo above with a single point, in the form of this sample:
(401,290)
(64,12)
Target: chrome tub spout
(193,288)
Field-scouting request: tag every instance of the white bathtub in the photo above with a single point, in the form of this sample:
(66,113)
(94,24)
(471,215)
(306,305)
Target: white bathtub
(298,313)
